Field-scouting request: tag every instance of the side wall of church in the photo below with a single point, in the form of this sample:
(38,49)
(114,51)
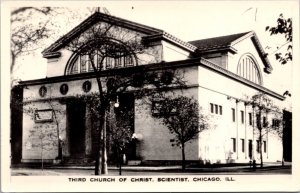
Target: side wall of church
(155,142)
(216,144)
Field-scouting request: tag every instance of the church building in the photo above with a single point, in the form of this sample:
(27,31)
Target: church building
(221,73)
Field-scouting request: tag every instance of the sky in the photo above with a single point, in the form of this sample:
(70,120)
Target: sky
(187,20)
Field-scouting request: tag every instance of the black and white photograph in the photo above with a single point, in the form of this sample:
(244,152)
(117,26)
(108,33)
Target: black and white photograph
(149,95)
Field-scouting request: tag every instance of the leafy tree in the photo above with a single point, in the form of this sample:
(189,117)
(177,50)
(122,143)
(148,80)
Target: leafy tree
(120,131)
(263,106)
(284,27)
(109,41)
(183,118)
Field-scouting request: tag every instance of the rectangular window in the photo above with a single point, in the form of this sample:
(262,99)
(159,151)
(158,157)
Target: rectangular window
(216,109)
(258,121)
(250,148)
(275,123)
(43,115)
(242,117)
(250,118)
(243,145)
(265,146)
(233,144)
(257,146)
(233,114)
(156,108)
(211,108)
(265,122)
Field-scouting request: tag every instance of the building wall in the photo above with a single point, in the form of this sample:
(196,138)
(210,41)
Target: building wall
(56,66)
(40,139)
(220,58)
(245,47)
(216,144)
(155,143)
(173,53)
(213,145)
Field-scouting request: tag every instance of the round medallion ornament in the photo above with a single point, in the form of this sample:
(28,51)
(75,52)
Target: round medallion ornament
(64,88)
(43,91)
(86,86)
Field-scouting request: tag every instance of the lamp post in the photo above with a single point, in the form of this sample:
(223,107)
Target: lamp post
(117,105)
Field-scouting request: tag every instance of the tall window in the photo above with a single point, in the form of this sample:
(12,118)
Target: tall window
(221,110)
(257,146)
(233,114)
(211,108)
(216,109)
(242,117)
(249,69)
(250,148)
(265,121)
(250,118)
(233,140)
(243,145)
(265,146)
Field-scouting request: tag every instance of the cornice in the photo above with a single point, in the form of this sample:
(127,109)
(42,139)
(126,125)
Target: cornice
(153,67)
(168,37)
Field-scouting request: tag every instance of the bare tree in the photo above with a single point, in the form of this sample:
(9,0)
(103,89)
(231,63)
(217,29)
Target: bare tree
(43,125)
(106,42)
(27,33)
(183,118)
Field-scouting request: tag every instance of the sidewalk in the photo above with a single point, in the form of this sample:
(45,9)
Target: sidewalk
(201,168)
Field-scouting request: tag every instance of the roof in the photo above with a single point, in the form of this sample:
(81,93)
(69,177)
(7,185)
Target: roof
(216,42)
(227,42)
(52,50)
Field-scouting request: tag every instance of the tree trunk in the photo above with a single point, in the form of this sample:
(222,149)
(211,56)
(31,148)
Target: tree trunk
(13,61)
(282,161)
(183,156)
(104,147)
(98,161)
(260,148)
(99,157)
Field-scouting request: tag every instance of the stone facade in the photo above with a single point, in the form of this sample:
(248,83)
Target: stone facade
(212,81)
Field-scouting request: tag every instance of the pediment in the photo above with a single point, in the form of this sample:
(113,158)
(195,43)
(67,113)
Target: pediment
(230,44)
(149,34)
(92,20)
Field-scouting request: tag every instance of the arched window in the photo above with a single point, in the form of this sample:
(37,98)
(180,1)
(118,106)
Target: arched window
(106,54)
(249,69)
(81,63)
